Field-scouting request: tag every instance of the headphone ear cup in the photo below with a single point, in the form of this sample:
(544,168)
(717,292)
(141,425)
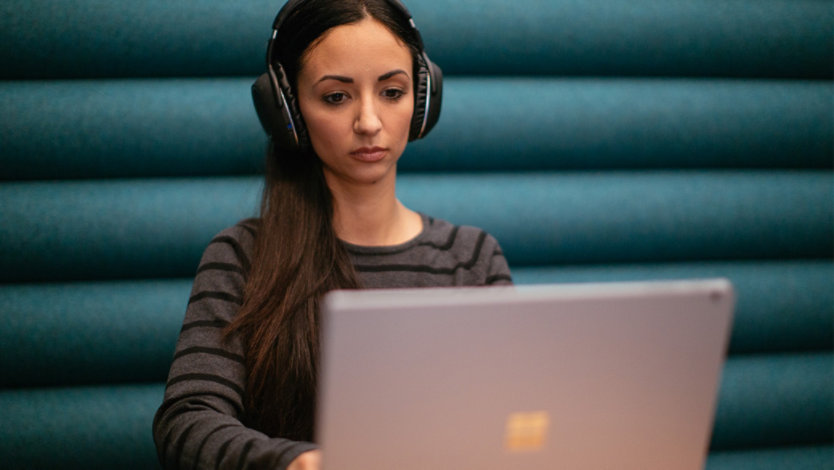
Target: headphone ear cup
(268,106)
(436,91)
(277,110)
(427,98)
(420,97)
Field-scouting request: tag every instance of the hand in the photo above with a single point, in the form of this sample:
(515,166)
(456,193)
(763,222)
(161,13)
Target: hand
(310,460)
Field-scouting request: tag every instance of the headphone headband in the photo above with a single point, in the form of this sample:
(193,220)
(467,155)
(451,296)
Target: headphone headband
(277,106)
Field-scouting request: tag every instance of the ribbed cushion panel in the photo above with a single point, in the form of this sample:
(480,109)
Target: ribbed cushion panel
(764,400)
(125,331)
(793,458)
(775,400)
(538,124)
(558,218)
(79,428)
(597,140)
(158,228)
(116,229)
(751,38)
(89,333)
(129,128)
(780,305)
(97,38)
(188,127)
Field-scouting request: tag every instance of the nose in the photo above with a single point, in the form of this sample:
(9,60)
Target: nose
(367,119)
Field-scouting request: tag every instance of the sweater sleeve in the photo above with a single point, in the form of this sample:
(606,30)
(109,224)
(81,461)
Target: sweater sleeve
(199,423)
(498,270)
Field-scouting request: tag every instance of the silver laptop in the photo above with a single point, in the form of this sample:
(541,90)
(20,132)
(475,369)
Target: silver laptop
(585,376)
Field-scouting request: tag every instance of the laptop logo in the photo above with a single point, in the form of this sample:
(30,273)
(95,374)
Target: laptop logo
(526,432)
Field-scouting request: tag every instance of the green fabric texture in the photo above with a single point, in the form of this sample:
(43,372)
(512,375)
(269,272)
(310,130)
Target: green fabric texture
(79,428)
(775,401)
(791,458)
(745,38)
(158,228)
(124,331)
(90,333)
(597,140)
(188,127)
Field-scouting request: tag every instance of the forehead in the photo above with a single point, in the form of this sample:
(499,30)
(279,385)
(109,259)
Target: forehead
(364,45)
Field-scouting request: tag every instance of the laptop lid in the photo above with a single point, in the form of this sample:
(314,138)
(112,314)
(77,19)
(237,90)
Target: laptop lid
(585,376)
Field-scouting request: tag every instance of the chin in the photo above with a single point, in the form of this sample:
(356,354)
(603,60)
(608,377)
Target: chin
(368,174)
(373,177)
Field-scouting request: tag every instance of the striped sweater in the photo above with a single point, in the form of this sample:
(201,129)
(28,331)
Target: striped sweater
(198,424)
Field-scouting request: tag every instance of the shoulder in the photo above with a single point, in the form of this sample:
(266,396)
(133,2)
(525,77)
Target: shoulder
(227,258)
(222,271)
(463,241)
(242,233)
(473,249)
(233,245)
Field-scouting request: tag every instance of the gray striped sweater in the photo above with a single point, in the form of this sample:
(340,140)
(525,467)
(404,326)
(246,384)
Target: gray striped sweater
(198,424)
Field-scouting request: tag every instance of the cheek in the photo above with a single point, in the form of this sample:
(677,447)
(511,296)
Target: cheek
(403,119)
(324,129)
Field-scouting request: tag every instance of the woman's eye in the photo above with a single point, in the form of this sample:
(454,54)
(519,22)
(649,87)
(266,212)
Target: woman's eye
(393,93)
(335,98)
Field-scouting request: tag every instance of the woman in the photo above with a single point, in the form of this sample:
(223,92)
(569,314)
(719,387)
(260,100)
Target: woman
(348,85)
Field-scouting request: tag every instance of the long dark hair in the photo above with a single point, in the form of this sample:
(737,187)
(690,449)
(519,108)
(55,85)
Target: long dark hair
(297,256)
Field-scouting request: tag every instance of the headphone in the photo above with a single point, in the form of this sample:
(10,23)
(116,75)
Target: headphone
(277,105)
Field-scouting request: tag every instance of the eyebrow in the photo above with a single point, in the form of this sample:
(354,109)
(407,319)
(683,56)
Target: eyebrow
(344,79)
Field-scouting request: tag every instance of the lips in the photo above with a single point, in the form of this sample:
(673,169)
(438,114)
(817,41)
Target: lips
(369,154)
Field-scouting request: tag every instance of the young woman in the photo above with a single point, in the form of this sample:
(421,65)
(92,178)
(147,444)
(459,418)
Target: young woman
(348,85)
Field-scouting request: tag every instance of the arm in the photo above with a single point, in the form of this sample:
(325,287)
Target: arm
(199,423)
(498,271)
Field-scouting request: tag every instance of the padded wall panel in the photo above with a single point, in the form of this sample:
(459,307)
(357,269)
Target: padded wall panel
(125,331)
(95,38)
(554,227)
(79,428)
(129,128)
(794,458)
(558,218)
(99,38)
(768,400)
(88,333)
(135,128)
(116,229)
(158,228)
(780,306)
(775,401)
(628,37)
(539,124)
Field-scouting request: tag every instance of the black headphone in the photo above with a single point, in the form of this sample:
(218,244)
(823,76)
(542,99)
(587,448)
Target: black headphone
(277,105)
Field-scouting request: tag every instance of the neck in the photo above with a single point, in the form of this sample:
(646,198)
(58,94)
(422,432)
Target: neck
(371,215)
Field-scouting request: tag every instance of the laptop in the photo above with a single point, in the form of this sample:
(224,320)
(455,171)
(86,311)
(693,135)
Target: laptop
(584,376)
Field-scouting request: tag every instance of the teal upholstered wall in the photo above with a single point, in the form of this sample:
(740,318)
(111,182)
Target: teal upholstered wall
(596,139)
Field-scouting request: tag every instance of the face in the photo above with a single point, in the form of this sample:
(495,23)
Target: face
(355,93)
